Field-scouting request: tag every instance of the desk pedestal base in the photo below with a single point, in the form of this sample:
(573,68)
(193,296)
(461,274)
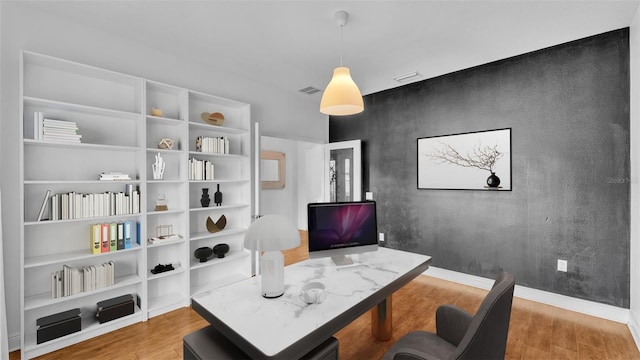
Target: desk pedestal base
(382,321)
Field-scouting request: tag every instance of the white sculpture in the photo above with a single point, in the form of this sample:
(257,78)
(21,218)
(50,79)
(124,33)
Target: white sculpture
(158,167)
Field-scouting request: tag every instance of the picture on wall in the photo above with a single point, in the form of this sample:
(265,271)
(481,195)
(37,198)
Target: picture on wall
(468,161)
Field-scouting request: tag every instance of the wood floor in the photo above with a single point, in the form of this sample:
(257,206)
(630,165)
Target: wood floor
(536,331)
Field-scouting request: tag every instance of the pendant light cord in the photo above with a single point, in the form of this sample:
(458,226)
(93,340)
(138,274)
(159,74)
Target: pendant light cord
(341,26)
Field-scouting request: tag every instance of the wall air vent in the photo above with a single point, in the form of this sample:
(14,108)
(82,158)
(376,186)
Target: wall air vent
(407,77)
(309,90)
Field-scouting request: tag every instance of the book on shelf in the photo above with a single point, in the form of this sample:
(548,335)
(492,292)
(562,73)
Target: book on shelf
(120,236)
(128,241)
(44,205)
(71,281)
(201,169)
(55,130)
(114,176)
(163,238)
(37,125)
(105,238)
(212,145)
(73,205)
(113,236)
(96,233)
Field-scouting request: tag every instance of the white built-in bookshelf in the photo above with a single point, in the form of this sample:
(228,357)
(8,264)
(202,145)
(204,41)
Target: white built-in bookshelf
(120,127)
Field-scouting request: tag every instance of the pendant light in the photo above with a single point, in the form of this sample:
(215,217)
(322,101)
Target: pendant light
(342,96)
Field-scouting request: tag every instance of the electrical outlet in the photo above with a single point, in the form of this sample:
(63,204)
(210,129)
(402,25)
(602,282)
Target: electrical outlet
(562,265)
(368,195)
(381,237)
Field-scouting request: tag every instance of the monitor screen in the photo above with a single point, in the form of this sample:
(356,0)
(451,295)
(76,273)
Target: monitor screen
(342,228)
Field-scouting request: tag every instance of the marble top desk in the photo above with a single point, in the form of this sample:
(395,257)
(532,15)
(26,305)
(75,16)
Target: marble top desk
(287,327)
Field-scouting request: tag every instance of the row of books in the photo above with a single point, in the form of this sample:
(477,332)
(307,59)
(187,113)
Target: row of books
(212,145)
(73,205)
(54,130)
(110,237)
(70,281)
(200,169)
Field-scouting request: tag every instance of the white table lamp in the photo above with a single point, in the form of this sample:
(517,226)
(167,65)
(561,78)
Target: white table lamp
(269,235)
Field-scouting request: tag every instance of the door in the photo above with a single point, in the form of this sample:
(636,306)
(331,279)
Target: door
(343,171)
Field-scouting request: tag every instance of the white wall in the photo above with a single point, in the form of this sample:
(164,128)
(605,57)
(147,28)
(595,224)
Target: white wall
(304,162)
(310,173)
(23,26)
(281,201)
(634,42)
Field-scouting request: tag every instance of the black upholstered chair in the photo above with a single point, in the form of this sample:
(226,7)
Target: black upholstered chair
(460,335)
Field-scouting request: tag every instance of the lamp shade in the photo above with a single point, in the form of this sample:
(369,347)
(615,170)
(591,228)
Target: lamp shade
(271,233)
(342,96)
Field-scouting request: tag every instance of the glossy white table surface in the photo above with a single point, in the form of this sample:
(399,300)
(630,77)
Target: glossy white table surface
(287,327)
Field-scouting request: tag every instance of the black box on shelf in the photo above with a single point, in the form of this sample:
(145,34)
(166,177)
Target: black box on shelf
(115,308)
(58,325)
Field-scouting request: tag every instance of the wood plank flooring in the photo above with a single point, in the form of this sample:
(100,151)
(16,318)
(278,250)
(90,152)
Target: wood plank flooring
(536,331)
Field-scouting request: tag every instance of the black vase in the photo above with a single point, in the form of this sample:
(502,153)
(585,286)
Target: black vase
(203,253)
(493,181)
(217,197)
(220,250)
(205,200)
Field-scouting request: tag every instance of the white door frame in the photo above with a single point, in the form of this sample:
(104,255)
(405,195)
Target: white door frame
(355,145)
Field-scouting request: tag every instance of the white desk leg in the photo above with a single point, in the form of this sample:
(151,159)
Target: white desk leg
(382,321)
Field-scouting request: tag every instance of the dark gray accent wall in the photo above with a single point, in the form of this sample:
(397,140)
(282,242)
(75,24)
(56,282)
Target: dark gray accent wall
(568,107)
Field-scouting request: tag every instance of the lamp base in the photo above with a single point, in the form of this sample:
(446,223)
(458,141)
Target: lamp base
(272,273)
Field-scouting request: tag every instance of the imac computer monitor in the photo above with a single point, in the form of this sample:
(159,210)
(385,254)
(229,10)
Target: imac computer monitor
(342,228)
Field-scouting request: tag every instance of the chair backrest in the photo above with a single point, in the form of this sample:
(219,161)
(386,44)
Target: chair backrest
(486,337)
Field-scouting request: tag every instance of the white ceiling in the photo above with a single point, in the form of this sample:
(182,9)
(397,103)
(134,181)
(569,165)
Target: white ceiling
(294,44)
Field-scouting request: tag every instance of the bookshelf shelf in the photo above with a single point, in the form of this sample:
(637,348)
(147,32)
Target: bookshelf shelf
(114,218)
(119,134)
(165,303)
(90,328)
(80,146)
(44,299)
(230,256)
(178,270)
(52,259)
(79,182)
(221,207)
(165,243)
(163,120)
(33,101)
(222,233)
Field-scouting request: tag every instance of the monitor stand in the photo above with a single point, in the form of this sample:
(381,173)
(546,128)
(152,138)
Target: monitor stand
(342,260)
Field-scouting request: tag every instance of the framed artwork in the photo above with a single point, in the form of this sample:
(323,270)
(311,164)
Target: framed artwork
(468,161)
(272,169)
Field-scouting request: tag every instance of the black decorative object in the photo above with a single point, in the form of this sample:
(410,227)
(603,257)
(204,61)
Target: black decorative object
(217,197)
(162,268)
(115,308)
(205,200)
(493,181)
(220,250)
(58,325)
(203,253)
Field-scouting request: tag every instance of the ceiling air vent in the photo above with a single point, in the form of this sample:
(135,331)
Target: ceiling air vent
(309,90)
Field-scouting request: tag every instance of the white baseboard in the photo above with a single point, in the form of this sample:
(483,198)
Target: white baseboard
(592,308)
(634,328)
(14,343)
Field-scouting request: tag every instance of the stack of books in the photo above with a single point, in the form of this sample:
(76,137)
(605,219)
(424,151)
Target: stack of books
(71,281)
(200,169)
(212,145)
(55,130)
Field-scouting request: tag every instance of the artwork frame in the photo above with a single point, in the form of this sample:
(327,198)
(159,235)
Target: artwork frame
(479,160)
